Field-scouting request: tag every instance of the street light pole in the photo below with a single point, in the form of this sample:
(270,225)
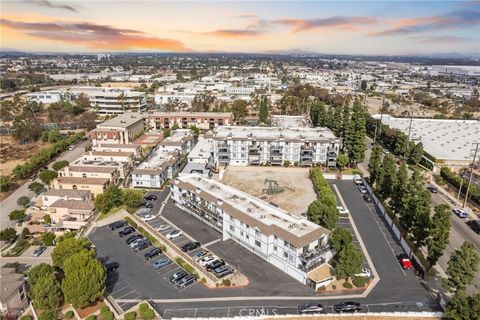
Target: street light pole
(471,174)
(459,192)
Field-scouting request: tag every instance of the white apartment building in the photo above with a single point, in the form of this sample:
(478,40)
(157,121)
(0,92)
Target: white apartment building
(136,149)
(113,101)
(122,167)
(104,156)
(180,139)
(240,90)
(111,173)
(202,152)
(156,169)
(167,97)
(202,120)
(274,145)
(289,242)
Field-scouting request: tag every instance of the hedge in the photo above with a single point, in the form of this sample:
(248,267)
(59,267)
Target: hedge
(182,263)
(132,315)
(455,181)
(325,194)
(69,314)
(359,282)
(131,222)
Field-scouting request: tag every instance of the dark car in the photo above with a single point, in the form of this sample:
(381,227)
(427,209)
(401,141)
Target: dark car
(186,281)
(117,225)
(367,198)
(111,266)
(38,252)
(348,307)
(144,244)
(151,197)
(474,225)
(152,253)
(148,204)
(432,189)
(310,308)
(133,238)
(177,276)
(190,246)
(126,231)
(215,264)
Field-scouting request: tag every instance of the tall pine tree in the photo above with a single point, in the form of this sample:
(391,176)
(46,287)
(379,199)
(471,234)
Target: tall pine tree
(399,189)
(439,234)
(355,134)
(386,180)
(375,164)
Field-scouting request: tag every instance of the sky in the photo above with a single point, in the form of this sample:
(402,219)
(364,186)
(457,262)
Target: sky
(329,27)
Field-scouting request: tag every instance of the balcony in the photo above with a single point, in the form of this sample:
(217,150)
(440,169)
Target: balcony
(223,159)
(314,258)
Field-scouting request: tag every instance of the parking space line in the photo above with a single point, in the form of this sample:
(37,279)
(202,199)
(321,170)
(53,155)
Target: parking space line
(114,292)
(126,294)
(211,242)
(182,242)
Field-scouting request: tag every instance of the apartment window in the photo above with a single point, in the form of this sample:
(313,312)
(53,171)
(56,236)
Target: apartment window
(232,228)
(275,237)
(241,233)
(257,234)
(285,255)
(248,237)
(257,243)
(275,248)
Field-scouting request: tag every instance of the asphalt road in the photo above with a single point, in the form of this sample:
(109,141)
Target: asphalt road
(10,203)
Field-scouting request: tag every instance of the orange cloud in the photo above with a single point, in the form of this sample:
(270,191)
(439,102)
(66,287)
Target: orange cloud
(235,33)
(92,35)
(302,25)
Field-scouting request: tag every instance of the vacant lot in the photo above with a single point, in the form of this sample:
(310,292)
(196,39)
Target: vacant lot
(298,189)
(13,153)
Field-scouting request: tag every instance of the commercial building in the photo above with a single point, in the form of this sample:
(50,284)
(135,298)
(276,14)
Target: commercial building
(156,169)
(180,139)
(46,97)
(13,296)
(289,242)
(117,101)
(202,120)
(122,129)
(95,185)
(290,121)
(275,146)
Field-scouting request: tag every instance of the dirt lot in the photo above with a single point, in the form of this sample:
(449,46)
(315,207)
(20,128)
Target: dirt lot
(374,103)
(298,189)
(12,153)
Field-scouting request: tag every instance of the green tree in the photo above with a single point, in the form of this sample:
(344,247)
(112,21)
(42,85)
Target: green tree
(23,201)
(84,280)
(342,161)
(462,267)
(239,110)
(8,234)
(60,164)
(416,153)
(47,175)
(420,228)
(340,238)
(39,271)
(348,262)
(65,236)
(36,187)
(263,110)
(145,312)
(399,189)
(166,132)
(409,201)
(386,180)
(106,314)
(48,238)
(48,315)
(375,164)
(111,198)
(47,219)
(17,215)
(463,307)
(46,293)
(5,183)
(318,114)
(355,134)
(363,85)
(322,214)
(54,136)
(401,144)
(69,247)
(195,130)
(439,234)
(132,199)
(337,121)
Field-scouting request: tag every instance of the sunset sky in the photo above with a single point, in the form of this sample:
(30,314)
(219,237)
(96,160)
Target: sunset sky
(341,27)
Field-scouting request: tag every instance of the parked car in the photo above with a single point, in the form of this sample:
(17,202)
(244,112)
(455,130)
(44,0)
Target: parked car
(141,246)
(117,225)
(71,147)
(152,253)
(206,260)
(136,241)
(432,189)
(177,276)
(310,308)
(474,225)
(460,213)
(342,210)
(214,264)
(357,179)
(164,227)
(189,246)
(199,255)
(365,273)
(186,281)
(150,197)
(348,307)
(362,190)
(38,252)
(174,234)
(111,266)
(33,177)
(405,261)
(133,238)
(126,231)
(143,211)
(367,198)
(148,217)
(161,263)
(148,204)
(222,271)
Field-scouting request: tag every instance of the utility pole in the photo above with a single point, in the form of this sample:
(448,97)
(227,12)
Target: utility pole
(459,192)
(471,174)
(410,125)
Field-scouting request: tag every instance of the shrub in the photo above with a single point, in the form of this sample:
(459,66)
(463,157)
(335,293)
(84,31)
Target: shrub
(48,239)
(182,263)
(132,315)
(131,222)
(106,314)
(203,280)
(226,282)
(347,285)
(91,317)
(145,312)
(325,194)
(48,315)
(296,163)
(322,288)
(69,314)
(23,201)
(47,219)
(334,286)
(286,163)
(27,317)
(359,282)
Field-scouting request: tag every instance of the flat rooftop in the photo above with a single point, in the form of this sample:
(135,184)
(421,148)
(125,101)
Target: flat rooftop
(157,162)
(290,121)
(178,136)
(202,149)
(269,219)
(122,121)
(443,139)
(192,114)
(82,162)
(273,133)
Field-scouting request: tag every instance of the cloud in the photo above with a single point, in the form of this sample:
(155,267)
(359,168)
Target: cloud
(93,35)
(447,39)
(235,33)
(301,25)
(49,4)
(455,19)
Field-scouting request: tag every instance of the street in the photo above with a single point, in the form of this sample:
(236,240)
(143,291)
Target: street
(10,204)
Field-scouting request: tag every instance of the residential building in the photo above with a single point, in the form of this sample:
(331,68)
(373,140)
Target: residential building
(13,296)
(289,242)
(122,167)
(163,98)
(275,146)
(52,195)
(95,185)
(156,169)
(126,157)
(240,90)
(136,149)
(111,173)
(290,121)
(202,152)
(202,120)
(113,101)
(180,139)
(70,214)
(122,129)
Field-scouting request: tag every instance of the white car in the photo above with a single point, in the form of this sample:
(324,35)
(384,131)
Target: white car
(342,210)
(357,179)
(363,190)
(148,217)
(365,273)
(203,262)
(174,234)
(164,227)
(71,147)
